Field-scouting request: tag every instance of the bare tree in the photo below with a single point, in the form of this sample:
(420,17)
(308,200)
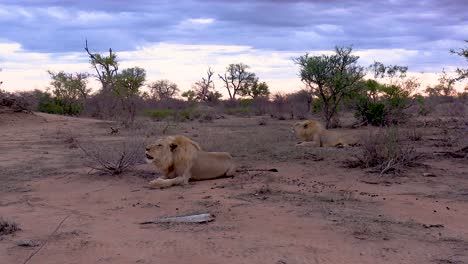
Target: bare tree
(203,90)
(163,89)
(204,87)
(237,78)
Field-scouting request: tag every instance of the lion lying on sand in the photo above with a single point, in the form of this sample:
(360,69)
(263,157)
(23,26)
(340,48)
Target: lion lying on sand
(180,159)
(312,133)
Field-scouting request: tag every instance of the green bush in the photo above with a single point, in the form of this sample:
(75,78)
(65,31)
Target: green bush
(50,105)
(238,111)
(379,104)
(158,114)
(424,109)
(317,105)
(189,114)
(370,112)
(246,102)
(181,115)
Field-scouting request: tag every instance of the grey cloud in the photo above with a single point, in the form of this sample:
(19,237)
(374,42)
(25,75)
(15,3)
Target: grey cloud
(265,24)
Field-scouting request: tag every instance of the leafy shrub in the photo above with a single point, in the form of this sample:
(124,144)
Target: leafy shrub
(189,114)
(159,114)
(246,102)
(423,108)
(370,112)
(50,105)
(242,111)
(379,104)
(317,105)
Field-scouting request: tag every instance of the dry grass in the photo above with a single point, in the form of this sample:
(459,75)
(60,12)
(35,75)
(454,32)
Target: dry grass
(8,227)
(249,141)
(384,152)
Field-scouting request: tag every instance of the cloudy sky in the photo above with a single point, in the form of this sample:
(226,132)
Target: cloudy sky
(178,40)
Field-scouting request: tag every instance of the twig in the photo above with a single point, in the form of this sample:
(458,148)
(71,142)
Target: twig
(389,165)
(47,240)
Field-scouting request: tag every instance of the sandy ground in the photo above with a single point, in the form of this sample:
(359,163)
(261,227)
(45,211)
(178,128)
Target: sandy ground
(314,210)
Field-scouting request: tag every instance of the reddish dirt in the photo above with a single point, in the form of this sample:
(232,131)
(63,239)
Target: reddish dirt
(314,210)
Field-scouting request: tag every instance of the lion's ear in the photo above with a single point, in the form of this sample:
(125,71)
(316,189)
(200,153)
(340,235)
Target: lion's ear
(305,125)
(173,146)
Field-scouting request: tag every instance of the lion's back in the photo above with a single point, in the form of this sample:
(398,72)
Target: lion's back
(209,165)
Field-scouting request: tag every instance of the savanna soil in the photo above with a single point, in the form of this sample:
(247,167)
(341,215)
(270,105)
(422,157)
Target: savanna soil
(314,210)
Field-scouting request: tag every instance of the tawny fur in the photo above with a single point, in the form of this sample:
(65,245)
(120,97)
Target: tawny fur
(312,133)
(180,159)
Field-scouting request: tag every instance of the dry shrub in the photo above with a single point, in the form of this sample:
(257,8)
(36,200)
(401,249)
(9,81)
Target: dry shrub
(451,109)
(102,106)
(8,227)
(453,138)
(290,106)
(113,158)
(384,152)
(10,102)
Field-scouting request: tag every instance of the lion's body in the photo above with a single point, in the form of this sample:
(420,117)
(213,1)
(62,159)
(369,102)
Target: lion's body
(209,165)
(315,134)
(181,159)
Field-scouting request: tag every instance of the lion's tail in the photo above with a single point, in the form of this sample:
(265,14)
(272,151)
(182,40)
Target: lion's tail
(246,170)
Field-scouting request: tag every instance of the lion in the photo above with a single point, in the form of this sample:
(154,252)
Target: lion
(315,134)
(180,159)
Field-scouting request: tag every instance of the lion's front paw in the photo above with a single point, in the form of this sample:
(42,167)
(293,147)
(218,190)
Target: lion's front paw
(155,184)
(303,144)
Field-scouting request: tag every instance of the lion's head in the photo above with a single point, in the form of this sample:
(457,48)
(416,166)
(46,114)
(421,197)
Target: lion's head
(169,152)
(305,130)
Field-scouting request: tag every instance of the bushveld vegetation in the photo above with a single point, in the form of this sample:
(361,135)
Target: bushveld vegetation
(333,83)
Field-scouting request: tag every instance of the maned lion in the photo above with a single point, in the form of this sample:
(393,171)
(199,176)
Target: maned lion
(180,159)
(315,134)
